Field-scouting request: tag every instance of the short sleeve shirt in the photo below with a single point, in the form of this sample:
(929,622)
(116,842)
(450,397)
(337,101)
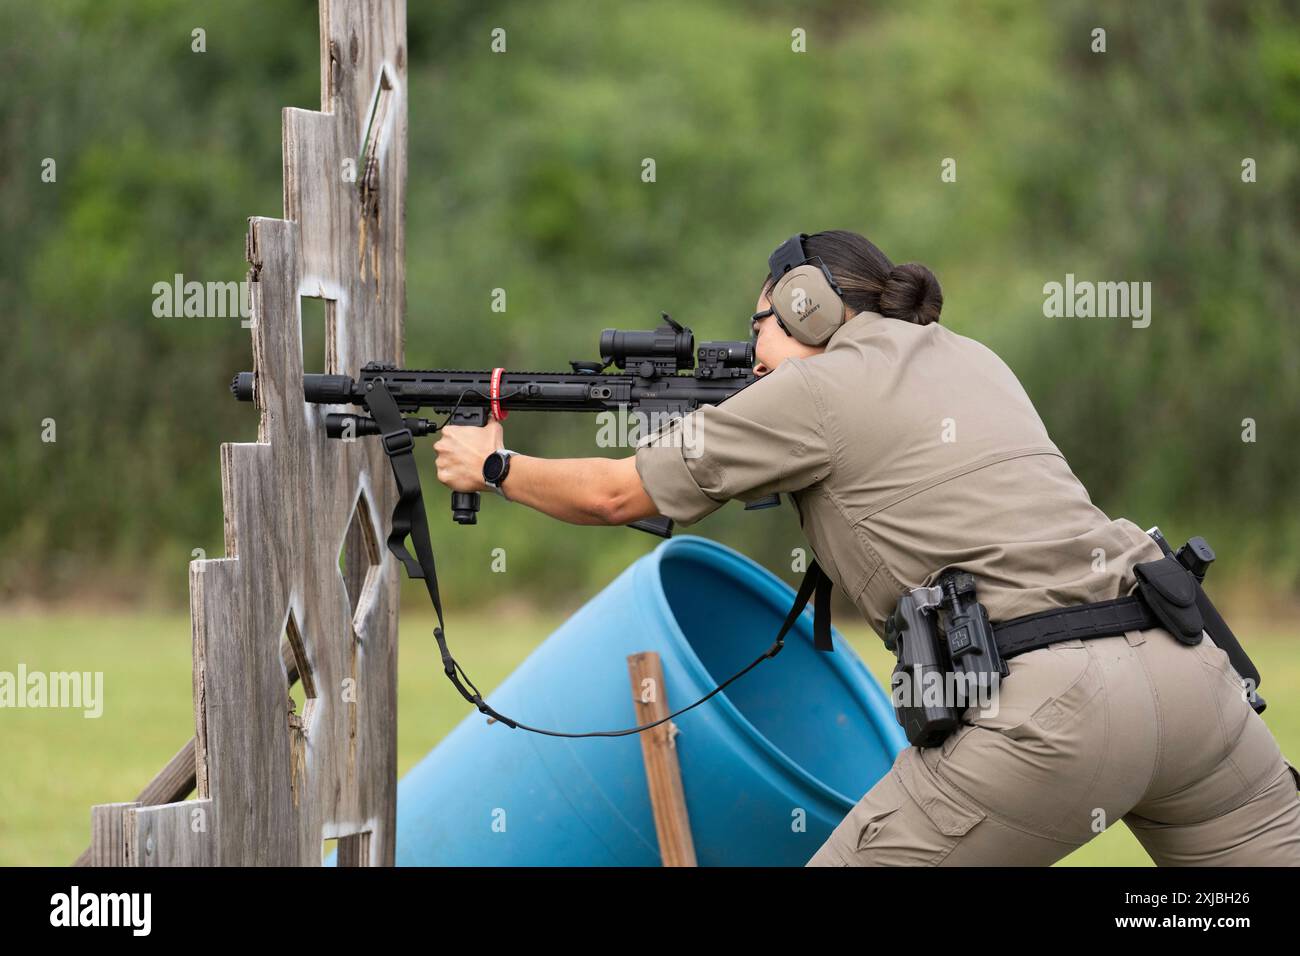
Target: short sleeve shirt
(768,437)
(907,449)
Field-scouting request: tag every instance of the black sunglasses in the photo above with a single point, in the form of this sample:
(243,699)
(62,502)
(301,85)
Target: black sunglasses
(753,322)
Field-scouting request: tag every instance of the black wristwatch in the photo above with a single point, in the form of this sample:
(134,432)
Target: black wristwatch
(495,468)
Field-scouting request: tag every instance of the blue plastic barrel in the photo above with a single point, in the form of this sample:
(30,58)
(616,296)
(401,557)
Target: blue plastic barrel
(769,766)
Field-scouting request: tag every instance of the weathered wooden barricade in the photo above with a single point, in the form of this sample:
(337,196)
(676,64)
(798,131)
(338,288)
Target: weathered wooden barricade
(306,593)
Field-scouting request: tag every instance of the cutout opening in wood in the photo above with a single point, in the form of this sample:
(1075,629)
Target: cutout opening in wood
(319,321)
(359,558)
(300,684)
(353,849)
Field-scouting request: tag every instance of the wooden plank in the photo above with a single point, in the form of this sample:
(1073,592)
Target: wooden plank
(295,500)
(107,835)
(175,781)
(173,834)
(659,752)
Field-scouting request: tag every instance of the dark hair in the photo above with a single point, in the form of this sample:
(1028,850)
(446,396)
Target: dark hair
(870,282)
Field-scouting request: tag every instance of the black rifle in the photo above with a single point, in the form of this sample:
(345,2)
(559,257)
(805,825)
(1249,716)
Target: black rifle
(653,386)
(653,363)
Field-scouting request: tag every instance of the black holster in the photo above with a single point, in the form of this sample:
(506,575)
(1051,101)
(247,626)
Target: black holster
(927,704)
(912,633)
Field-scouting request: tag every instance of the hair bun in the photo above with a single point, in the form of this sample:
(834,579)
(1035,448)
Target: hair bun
(911,293)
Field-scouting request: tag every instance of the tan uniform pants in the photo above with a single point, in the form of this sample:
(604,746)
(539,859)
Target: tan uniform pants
(1136,727)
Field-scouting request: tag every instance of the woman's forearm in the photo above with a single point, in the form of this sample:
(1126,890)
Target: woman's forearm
(601,491)
(576,490)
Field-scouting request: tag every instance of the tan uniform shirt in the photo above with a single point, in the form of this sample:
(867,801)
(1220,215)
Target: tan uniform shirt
(907,449)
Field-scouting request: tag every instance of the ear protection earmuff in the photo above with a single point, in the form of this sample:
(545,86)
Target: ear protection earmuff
(805,298)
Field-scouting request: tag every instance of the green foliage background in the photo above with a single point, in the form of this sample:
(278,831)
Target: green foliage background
(525,174)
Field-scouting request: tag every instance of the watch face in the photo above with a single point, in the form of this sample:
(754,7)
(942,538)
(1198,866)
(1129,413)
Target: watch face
(492,467)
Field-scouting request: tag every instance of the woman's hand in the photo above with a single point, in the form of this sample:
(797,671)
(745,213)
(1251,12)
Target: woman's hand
(461,450)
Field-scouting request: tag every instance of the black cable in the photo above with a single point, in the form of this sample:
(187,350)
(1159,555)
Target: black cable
(475,391)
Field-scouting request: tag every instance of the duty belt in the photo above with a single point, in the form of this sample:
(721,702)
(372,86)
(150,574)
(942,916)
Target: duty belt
(1082,622)
(942,630)
(1169,595)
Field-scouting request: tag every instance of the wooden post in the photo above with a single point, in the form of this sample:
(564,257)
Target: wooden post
(659,751)
(306,592)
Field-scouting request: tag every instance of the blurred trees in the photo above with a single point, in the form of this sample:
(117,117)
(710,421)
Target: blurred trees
(525,174)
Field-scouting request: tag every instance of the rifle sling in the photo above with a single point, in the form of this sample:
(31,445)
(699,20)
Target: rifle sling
(409,520)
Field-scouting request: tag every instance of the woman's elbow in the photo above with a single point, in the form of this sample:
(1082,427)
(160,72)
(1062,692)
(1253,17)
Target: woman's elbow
(626,500)
(625,510)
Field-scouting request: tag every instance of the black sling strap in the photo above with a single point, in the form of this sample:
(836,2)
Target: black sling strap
(821,607)
(409,519)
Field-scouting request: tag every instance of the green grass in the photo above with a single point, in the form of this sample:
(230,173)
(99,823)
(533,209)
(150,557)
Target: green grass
(58,763)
